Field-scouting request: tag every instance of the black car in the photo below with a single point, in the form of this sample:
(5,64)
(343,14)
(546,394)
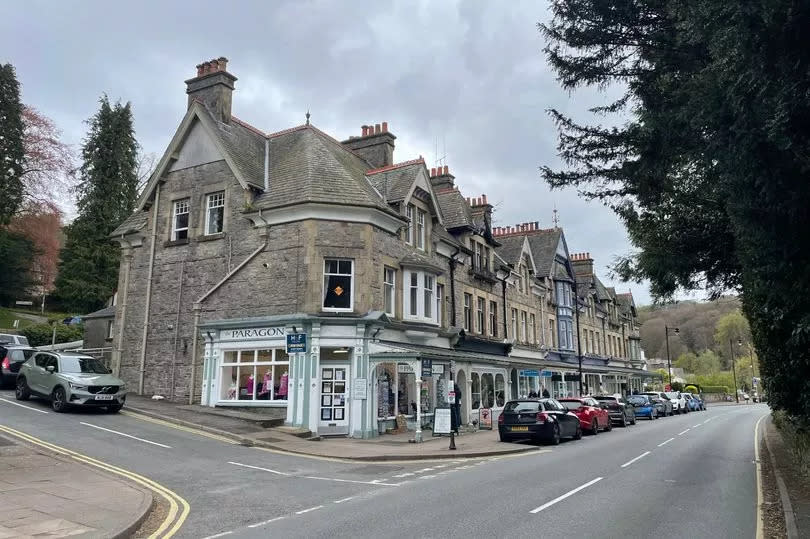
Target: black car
(621,412)
(12,356)
(538,419)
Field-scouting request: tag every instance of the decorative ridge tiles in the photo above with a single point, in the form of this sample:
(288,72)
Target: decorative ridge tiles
(248,126)
(396,166)
(287,131)
(522,232)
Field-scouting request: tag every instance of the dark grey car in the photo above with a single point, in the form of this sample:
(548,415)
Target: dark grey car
(621,412)
(12,356)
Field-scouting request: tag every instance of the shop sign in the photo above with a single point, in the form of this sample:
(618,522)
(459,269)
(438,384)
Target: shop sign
(486,418)
(441,420)
(296,343)
(438,369)
(572,377)
(360,389)
(545,374)
(251,333)
(530,373)
(404,368)
(427,368)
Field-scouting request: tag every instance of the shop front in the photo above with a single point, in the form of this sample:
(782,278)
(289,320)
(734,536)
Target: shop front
(407,388)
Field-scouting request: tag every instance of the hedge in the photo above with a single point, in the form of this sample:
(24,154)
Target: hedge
(714,389)
(41,334)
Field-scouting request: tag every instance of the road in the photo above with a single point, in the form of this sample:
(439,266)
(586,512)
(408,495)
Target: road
(692,473)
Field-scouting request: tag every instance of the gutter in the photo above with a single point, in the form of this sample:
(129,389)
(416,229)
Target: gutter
(142,368)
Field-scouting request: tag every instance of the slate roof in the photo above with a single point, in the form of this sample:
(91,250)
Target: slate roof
(601,292)
(306,165)
(561,273)
(544,248)
(245,147)
(454,208)
(106,312)
(133,223)
(395,182)
(419,260)
(511,249)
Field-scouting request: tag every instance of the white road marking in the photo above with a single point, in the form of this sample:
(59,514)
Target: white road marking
(347,480)
(258,524)
(302,511)
(424,470)
(641,456)
(125,435)
(380,480)
(564,496)
(344,499)
(223,534)
(683,432)
(23,406)
(708,420)
(408,474)
(662,444)
(696,426)
(427,477)
(440,466)
(258,468)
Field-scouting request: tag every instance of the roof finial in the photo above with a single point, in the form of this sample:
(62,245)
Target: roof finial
(307,115)
(555,217)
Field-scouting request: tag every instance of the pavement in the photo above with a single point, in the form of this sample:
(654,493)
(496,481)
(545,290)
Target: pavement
(45,495)
(694,473)
(247,428)
(793,485)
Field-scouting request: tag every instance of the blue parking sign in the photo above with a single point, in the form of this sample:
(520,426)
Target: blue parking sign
(296,343)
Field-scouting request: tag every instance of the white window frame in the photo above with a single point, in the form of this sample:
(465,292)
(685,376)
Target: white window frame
(180,207)
(390,289)
(440,304)
(523,326)
(533,324)
(351,284)
(514,324)
(421,294)
(493,319)
(467,312)
(110,327)
(477,259)
(409,214)
(480,314)
(217,198)
(420,229)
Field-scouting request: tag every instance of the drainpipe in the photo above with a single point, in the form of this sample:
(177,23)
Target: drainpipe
(505,323)
(579,344)
(142,368)
(453,287)
(122,322)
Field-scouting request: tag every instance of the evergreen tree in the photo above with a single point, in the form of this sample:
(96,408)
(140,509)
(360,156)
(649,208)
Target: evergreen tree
(709,169)
(88,271)
(12,151)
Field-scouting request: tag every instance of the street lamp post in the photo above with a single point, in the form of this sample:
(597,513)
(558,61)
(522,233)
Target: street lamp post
(734,371)
(669,361)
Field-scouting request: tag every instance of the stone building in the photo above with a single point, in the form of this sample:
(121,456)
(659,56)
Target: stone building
(389,284)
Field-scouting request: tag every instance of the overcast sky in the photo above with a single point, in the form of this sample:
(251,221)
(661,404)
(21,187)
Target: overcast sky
(470,75)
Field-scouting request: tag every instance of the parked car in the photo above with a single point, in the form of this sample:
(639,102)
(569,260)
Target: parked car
(698,403)
(70,379)
(644,406)
(621,412)
(592,417)
(664,404)
(692,403)
(8,338)
(12,356)
(539,419)
(678,401)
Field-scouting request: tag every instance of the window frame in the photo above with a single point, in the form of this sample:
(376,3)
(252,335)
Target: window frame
(176,206)
(514,324)
(480,314)
(351,285)
(533,325)
(409,209)
(413,282)
(420,229)
(389,290)
(493,318)
(467,312)
(209,198)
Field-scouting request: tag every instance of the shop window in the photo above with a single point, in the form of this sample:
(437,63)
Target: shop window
(386,397)
(214,213)
(254,375)
(338,277)
(487,390)
(467,312)
(389,289)
(420,296)
(500,390)
(475,390)
(493,319)
(180,219)
(479,316)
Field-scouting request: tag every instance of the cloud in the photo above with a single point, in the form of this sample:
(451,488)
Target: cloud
(468,77)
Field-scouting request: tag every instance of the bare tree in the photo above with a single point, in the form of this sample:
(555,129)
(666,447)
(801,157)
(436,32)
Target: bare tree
(48,173)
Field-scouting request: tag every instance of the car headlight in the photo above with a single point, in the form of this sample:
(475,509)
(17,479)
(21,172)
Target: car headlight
(78,387)
(122,387)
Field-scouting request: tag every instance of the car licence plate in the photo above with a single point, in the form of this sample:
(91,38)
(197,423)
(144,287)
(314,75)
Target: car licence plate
(519,429)
(104,397)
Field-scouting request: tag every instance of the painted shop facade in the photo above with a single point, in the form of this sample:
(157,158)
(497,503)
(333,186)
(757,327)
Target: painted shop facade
(319,277)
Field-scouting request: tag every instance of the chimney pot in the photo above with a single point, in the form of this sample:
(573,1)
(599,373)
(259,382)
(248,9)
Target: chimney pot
(432,172)
(446,170)
(485,198)
(377,129)
(537,225)
(385,127)
(365,130)
(222,63)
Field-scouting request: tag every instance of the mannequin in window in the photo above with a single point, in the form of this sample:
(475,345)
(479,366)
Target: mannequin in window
(264,391)
(249,386)
(232,388)
(282,387)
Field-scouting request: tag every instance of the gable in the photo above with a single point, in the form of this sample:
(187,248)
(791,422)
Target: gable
(197,148)
(422,182)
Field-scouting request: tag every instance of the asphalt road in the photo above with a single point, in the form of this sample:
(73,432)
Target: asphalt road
(693,473)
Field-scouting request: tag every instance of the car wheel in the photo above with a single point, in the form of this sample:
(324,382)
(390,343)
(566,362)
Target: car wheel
(624,421)
(58,400)
(654,415)
(21,392)
(555,435)
(609,425)
(633,421)
(595,426)
(578,432)
(117,408)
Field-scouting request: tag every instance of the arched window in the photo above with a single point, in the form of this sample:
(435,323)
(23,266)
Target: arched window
(500,395)
(475,391)
(487,391)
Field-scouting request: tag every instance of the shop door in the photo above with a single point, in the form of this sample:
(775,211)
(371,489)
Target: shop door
(334,417)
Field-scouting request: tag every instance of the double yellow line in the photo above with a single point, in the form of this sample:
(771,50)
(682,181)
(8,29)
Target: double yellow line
(178,507)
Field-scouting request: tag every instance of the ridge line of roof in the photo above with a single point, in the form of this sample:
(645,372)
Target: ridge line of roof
(395,166)
(287,131)
(248,126)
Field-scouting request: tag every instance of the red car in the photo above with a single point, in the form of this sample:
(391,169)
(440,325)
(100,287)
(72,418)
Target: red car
(592,417)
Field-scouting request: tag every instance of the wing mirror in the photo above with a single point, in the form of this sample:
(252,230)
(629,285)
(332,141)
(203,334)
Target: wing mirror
(50,369)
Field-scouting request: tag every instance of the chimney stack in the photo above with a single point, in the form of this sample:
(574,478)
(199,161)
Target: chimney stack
(376,145)
(213,86)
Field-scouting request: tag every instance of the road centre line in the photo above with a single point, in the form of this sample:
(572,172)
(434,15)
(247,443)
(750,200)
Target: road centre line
(259,468)
(564,496)
(662,444)
(344,499)
(125,435)
(641,456)
(337,480)
(265,522)
(696,426)
(302,511)
(23,406)
(683,432)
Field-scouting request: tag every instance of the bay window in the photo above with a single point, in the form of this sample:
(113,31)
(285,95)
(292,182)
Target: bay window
(420,296)
(338,284)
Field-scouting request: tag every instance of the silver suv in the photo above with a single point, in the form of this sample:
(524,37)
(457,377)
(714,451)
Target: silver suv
(70,379)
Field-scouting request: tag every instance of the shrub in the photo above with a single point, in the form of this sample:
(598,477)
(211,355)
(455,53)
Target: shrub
(715,389)
(691,389)
(677,386)
(796,435)
(41,334)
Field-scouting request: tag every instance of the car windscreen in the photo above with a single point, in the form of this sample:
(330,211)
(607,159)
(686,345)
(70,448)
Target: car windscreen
(20,355)
(671,395)
(83,364)
(572,405)
(23,340)
(521,406)
(637,400)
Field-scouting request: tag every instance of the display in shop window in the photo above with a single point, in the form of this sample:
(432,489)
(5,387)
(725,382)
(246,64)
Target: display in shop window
(326,387)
